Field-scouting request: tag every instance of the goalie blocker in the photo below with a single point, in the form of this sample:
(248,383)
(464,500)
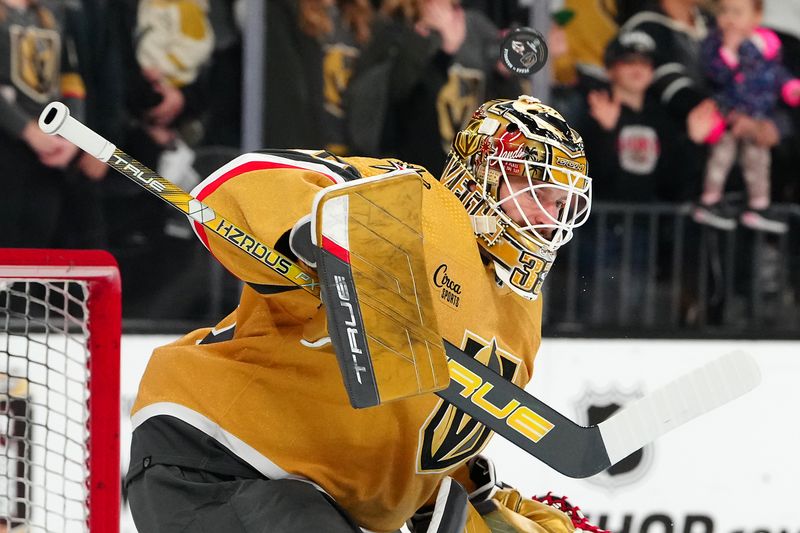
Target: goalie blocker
(389,248)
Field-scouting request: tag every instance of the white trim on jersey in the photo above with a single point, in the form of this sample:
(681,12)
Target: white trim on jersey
(673,88)
(669,68)
(216,332)
(268,158)
(240,448)
(324,341)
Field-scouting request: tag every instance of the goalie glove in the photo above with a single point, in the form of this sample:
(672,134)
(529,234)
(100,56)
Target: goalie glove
(579,520)
(503,508)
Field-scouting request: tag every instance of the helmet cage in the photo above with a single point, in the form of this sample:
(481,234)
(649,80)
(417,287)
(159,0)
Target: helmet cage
(503,164)
(520,171)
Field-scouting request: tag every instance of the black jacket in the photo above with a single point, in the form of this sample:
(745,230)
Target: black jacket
(679,79)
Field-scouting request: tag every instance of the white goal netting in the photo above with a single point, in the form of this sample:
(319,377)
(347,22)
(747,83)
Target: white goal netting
(60,324)
(44,393)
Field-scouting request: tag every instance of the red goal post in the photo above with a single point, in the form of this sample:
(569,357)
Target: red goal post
(60,327)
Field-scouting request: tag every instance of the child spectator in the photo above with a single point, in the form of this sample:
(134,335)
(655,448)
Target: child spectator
(743,63)
(679,26)
(636,149)
(629,137)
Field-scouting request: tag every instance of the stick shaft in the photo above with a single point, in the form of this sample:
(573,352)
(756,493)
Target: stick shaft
(55,119)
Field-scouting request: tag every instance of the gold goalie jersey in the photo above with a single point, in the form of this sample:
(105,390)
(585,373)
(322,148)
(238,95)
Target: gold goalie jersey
(265,382)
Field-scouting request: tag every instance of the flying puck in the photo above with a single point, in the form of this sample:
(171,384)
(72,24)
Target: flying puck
(524,51)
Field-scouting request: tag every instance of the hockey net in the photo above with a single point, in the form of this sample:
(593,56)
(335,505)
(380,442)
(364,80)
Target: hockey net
(59,391)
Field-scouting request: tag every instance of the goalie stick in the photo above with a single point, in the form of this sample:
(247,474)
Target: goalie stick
(571,449)
(55,119)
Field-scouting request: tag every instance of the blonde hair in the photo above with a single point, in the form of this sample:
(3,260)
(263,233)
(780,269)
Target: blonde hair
(315,21)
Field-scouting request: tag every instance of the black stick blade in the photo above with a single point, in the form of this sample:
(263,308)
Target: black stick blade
(526,421)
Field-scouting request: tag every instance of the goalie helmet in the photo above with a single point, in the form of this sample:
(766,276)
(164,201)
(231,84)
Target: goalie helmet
(521,172)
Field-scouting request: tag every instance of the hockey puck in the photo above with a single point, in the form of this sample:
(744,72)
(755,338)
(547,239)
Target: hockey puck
(524,51)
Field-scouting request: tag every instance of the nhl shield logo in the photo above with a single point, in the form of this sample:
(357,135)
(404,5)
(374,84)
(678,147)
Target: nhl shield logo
(596,406)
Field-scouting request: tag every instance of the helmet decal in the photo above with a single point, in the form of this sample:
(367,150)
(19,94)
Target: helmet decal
(537,120)
(466,145)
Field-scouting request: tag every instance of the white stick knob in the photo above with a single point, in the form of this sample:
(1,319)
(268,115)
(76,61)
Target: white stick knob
(55,119)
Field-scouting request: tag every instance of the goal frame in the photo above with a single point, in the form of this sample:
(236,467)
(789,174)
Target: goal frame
(99,270)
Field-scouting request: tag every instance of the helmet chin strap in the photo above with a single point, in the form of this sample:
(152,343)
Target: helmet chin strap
(482,224)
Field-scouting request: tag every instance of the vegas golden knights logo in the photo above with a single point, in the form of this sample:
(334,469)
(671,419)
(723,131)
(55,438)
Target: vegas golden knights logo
(451,436)
(337,69)
(35,61)
(456,101)
(467,143)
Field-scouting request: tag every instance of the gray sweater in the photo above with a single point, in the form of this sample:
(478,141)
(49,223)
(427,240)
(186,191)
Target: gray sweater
(34,60)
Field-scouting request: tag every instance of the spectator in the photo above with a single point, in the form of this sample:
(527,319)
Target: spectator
(312,48)
(475,75)
(679,26)
(635,148)
(457,57)
(742,60)
(175,39)
(174,44)
(631,140)
(432,32)
(131,109)
(36,68)
(588,26)
(581,29)
(103,68)
(93,26)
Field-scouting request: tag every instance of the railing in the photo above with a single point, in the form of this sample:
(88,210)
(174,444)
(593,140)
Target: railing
(648,270)
(635,270)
